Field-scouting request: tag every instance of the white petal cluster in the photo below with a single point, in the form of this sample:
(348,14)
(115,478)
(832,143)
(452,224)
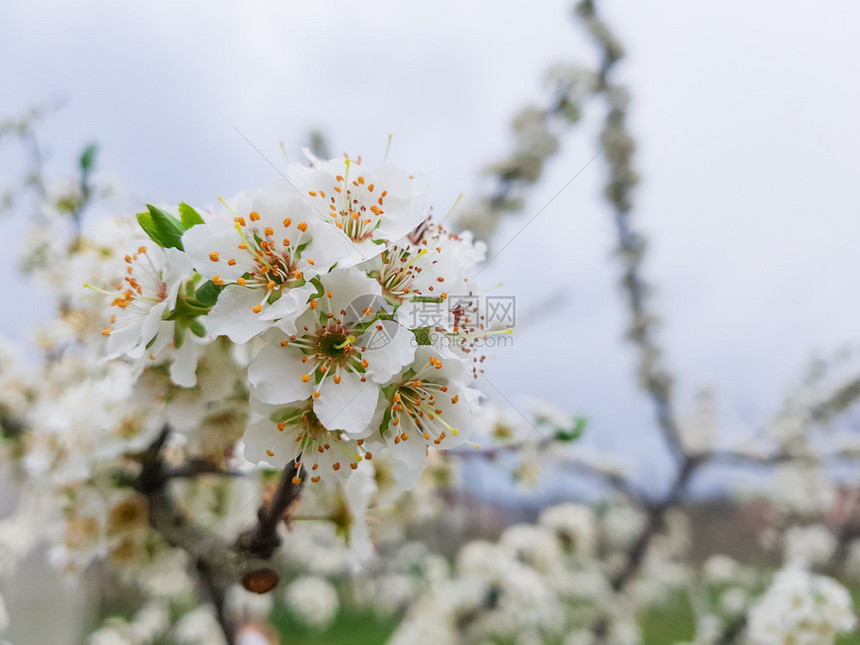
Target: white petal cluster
(323,275)
(801,608)
(313,601)
(808,545)
(199,627)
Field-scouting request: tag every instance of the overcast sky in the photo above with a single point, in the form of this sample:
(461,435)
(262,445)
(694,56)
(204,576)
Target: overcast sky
(745,113)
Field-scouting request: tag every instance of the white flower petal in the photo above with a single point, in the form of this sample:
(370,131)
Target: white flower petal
(388,349)
(183,370)
(217,236)
(233,315)
(348,405)
(275,376)
(262,437)
(288,307)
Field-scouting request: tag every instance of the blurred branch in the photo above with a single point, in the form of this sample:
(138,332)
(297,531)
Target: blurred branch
(23,128)
(656,516)
(219,563)
(732,631)
(613,480)
(318,144)
(262,539)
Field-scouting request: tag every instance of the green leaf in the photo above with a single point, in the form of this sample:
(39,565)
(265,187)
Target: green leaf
(197,328)
(162,228)
(185,309)
(88,158)
(386,420)
(320,289)
(207,294)
(189,216)
(178,335)
(574,432)
(422,335)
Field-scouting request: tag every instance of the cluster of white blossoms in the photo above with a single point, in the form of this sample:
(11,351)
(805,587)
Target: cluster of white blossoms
(324,272)
(801,608)
(301,321)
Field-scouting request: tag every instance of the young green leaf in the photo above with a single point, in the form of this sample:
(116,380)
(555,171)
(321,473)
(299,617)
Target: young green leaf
(161,227)
(88,158)
(207,294)
(197,328)
(189,216)
(574,432)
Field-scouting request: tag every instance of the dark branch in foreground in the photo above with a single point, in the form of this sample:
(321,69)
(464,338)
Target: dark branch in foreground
(219,563)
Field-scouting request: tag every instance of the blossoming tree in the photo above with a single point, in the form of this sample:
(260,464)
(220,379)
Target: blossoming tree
(245,399)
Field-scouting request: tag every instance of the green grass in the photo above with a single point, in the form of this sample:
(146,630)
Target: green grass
(351,627)
(669,623)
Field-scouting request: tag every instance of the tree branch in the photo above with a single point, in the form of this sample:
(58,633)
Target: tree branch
(218,562)
(262,539)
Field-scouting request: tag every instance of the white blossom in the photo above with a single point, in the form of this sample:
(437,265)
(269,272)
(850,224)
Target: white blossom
(312,600)
(370,207)
(801,608)
(147,292)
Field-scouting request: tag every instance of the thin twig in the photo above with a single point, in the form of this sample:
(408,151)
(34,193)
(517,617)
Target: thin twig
(219,562)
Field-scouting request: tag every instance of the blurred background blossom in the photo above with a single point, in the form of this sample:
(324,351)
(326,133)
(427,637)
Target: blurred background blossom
(747,152)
